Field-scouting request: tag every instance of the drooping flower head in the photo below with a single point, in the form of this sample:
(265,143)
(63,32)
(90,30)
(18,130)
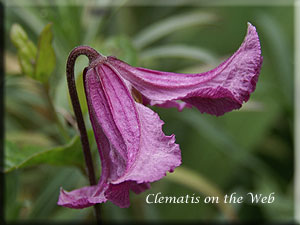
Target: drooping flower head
(133,149)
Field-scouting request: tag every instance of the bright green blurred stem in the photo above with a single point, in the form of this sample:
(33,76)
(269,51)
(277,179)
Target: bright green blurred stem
(60,126)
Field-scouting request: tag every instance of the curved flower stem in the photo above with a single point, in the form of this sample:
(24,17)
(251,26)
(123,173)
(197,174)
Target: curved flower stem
(92,54)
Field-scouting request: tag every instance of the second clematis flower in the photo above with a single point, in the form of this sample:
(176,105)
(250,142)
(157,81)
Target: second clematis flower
(133,149)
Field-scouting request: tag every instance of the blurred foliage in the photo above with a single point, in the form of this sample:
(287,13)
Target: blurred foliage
(32,155)
(250,150)
(26,49)
(36,62)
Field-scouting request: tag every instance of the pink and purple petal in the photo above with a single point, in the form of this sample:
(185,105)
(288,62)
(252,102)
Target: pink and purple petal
(217,91)
(158,153)
(166,104)
(119,193)
(137,130)
(81,198)
(132,147)
(112,111)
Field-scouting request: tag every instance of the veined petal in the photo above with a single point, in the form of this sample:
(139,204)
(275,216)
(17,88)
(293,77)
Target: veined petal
(217,91)
(119,193)
(171,104)
(133,149)
(113,115)
(164,104)
(167,104)
(81,198)
(88,196)
(158,153)
(131,129)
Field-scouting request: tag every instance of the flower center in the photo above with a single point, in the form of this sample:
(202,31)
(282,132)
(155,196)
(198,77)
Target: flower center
(137,96)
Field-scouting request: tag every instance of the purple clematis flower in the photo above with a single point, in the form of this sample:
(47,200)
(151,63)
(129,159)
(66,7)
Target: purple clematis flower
(133,149)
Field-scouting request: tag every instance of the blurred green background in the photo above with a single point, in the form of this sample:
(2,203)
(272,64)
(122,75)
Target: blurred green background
(249,150)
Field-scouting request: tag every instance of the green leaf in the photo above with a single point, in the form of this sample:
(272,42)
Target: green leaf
(36,62)
(66,155)
(26,49)
(45,58)
(171,24)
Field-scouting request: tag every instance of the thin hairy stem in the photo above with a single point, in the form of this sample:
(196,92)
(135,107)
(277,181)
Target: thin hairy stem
(92,54)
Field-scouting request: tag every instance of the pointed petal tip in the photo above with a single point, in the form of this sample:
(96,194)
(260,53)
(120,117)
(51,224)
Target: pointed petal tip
(216,92)
(250,27)
(66,200)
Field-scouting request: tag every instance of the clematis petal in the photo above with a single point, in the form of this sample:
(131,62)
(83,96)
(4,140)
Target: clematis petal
(81,198)
(132,147)
(139,149)
(217,91)
(166,104)
(119,193)
(158,153)
(113,109)
(171,104)
(139,188)
(88,196)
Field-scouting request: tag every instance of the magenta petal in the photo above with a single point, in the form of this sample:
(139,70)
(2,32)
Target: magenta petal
(119,193)
(139,150)
(172,104)
(139,188)
(81,198)
(166,104)
(158,153)
(114,117)
(217,91)
(133,149)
